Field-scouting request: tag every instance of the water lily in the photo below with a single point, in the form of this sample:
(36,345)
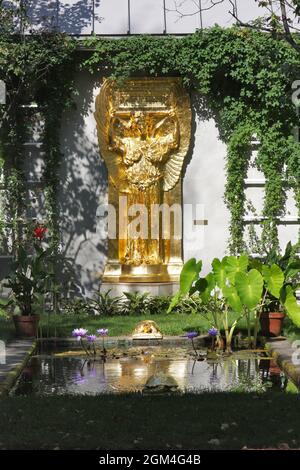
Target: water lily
(91,338)
(213,332)
(79,333)
(102,331)
(192,334)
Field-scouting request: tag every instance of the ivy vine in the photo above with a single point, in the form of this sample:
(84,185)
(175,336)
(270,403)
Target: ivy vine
(242,78)
(245,78)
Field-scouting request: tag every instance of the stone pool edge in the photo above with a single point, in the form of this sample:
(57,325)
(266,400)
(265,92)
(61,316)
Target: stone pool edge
(14,373)
(282,352)
(128,341)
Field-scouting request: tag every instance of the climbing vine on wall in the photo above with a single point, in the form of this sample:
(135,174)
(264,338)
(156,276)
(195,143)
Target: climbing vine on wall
(35,69)
(242,78)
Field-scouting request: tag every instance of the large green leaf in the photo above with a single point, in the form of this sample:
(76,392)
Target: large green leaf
(255,263)
(219,271)
(292,270)
(274,279)
(291,306)
(233,299)
(249,287)
(205,286)
(199,286)
(174,301)
(189,274)
(235,264)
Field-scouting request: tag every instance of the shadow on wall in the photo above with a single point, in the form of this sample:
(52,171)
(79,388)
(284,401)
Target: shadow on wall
(84,183)
(201,111)
(83,188)
(70,17)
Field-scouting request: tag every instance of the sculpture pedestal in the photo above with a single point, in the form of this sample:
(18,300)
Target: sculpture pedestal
(154,288)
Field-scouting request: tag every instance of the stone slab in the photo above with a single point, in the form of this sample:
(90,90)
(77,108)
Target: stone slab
(287,357)
(127,341)
(12,359)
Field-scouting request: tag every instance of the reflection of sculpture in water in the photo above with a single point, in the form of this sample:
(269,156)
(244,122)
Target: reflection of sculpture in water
(145,141)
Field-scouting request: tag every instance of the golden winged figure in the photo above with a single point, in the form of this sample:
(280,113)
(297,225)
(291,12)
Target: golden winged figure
(144,133)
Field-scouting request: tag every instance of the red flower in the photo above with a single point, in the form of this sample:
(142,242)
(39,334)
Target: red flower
(39,232)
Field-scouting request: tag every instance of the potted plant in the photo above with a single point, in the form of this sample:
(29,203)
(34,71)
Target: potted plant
(27,281)
(279,273)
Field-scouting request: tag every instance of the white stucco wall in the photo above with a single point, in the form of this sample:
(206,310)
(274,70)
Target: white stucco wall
(84,189)
(203,185)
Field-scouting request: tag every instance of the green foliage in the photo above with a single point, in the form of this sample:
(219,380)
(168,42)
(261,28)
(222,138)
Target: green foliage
(242,288)
(236,265)
(158,304)
(189,274)
(27,280)
(274,279)
(38,69)
(76,306)
(249,287)
(135,303)
(242,78)
(291,306)
(105,304)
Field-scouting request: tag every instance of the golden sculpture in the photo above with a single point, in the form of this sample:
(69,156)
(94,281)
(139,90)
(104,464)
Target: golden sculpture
(144,134)
(147,329)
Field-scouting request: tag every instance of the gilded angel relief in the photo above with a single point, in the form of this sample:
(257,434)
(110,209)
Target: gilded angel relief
(143,130)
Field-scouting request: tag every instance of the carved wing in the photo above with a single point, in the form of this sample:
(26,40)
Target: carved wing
(103,112)
(173,166)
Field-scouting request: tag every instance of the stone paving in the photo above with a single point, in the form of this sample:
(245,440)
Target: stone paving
(13,355)
(287,356)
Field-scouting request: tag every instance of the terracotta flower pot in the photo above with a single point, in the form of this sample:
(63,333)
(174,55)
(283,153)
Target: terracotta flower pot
(26,325)
(271,323)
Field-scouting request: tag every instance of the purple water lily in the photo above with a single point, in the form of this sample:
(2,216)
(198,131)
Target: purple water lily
(102,332)
(192,334)
(213,332)
(79,333)
(91,338)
